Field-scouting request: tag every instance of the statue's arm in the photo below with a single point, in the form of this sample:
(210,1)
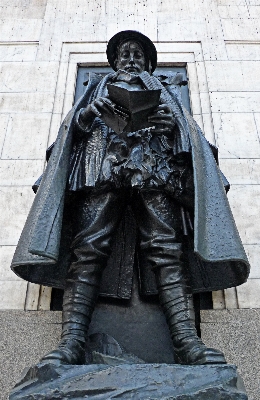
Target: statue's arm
(84,118)
(163,119)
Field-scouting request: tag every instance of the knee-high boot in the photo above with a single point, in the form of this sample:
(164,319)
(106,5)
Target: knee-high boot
(79,300)
(177,303)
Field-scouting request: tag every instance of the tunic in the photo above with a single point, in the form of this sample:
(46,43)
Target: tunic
(140,159)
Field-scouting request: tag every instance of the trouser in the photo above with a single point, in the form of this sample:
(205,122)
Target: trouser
(97,215)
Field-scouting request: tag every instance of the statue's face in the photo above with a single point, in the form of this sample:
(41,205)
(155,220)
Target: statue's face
(131,57)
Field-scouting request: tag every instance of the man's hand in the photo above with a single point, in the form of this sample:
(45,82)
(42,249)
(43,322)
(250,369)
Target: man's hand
(163,119)
(95,109)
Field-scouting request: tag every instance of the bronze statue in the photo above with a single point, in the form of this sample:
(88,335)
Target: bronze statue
(166,171)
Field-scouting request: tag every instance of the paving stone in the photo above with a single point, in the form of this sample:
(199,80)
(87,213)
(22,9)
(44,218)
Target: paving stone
(236,333)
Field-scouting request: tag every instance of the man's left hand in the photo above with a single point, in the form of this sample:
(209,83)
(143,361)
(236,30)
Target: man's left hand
(163,119)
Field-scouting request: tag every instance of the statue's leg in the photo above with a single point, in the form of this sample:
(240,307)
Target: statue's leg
(96,219)
(177,303)
(160,226)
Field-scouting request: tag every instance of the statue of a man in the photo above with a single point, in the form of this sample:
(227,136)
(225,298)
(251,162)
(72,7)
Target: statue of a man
(165,173)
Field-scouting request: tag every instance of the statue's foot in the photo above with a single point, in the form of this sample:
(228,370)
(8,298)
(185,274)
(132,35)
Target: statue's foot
(69,351)
(199,354)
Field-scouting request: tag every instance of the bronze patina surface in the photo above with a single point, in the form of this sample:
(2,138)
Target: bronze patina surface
(148,179)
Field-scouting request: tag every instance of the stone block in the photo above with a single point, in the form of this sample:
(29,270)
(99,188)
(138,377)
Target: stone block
(195,103)
(187,29)
(235,102)
(28,76)
(26,102)
(62,81)
(198,119)
(172,58)
(12,295)
(232,2)
(248,294)
(254,10)
(20,30)
(231,298)
(253,254)
(143,19)
(197,77)
(218,299)
(32,297)
(207,128)
(245,52)
(4,118)
(6,255)
(245,205)
(186,26)
(93,30)
(257,121)
(18,52)
(68,103)
(20,172)
(241,171)
(213,44)
(236,135)
(241,29)
(233,11)
(27,136)
(205,123)
(54,129)
(45,298)
(205,102)
(253,2)
(232,76)
(16,202)
(60,99)
(21,9)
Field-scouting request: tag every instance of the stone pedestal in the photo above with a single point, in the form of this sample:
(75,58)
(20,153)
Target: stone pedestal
(130,381)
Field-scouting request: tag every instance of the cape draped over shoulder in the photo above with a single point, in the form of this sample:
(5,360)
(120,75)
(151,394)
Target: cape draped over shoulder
(217,258)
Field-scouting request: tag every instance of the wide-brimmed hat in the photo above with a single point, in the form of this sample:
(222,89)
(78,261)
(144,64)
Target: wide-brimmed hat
(120,37)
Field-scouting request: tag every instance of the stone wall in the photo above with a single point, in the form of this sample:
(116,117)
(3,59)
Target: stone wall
(43,41)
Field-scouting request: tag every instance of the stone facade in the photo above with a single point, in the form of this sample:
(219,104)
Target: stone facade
(43,42)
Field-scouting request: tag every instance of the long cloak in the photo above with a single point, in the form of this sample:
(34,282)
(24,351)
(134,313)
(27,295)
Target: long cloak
(216,257)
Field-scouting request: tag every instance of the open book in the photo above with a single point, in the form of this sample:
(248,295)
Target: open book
(131,108)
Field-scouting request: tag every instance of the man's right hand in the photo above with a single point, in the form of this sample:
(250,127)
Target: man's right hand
(95,109)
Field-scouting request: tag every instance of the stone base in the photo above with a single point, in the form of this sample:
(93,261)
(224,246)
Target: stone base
(130,381)
(25,336)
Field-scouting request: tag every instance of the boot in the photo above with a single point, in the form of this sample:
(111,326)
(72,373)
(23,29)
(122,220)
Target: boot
(78,304)
(177,304)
